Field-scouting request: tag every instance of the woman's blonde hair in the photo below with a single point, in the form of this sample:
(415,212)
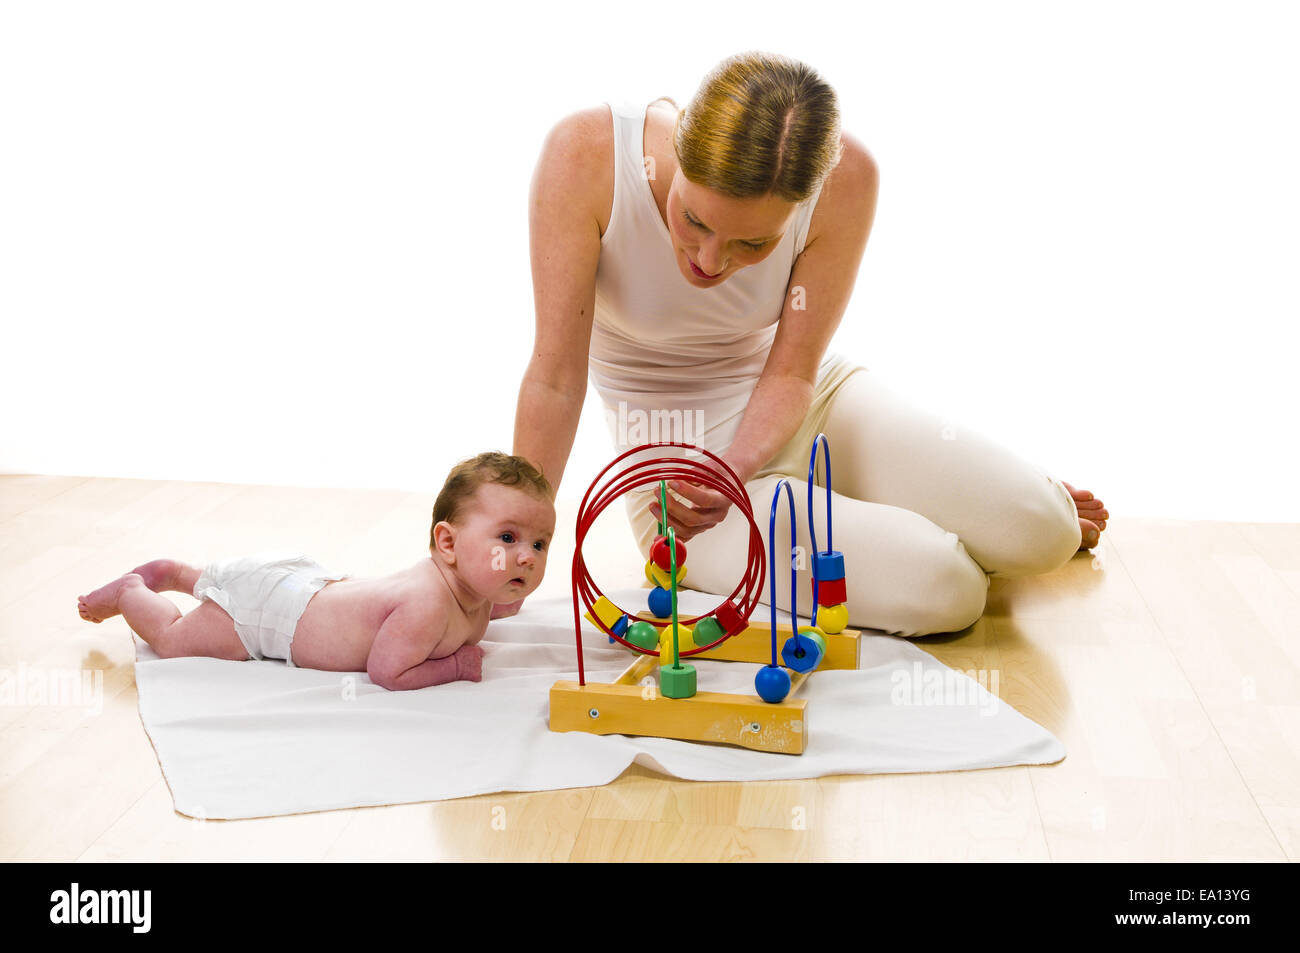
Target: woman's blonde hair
(760,124)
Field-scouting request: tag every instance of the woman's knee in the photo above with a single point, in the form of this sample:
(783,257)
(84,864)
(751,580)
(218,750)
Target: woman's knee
(1047,532)
(941,590)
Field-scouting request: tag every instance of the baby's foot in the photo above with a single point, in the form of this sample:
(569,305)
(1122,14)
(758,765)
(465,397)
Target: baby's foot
(102,603)
(160,574)
(469,663)
(1092,516)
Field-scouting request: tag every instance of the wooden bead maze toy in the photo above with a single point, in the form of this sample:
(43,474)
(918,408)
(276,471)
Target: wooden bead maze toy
(770,720)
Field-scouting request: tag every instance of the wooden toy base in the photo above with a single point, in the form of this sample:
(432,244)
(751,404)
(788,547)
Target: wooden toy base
(626,707)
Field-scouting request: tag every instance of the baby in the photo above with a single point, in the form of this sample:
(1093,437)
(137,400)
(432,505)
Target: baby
(492,525)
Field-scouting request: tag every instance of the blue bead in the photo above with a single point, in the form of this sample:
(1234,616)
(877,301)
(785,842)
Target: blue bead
(621,625)
(661,603)
(772,683)
(812,654)
(829,565)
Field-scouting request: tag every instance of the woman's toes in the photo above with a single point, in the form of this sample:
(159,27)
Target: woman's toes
(1078,495)
(1089,532)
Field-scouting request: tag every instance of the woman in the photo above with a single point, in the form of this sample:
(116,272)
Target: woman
(696,263)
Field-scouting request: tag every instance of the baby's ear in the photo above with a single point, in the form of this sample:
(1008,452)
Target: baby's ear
(444,541)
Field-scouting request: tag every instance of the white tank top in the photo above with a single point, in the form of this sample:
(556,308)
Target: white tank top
(671,361)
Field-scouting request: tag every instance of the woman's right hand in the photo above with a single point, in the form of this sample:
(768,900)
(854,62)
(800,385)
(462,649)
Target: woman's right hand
(708,508)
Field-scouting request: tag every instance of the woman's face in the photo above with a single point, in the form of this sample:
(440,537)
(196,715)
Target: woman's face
(718,234)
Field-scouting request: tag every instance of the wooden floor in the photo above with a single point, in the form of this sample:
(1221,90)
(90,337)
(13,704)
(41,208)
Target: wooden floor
(1167,662)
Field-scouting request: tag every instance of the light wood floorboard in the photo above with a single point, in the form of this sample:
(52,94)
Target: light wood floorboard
(1167,662)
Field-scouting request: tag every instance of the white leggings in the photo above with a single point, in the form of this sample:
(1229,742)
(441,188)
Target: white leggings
(924,511)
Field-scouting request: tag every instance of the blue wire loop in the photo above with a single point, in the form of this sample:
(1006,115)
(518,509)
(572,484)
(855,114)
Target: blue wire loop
(812,529)
(771,563)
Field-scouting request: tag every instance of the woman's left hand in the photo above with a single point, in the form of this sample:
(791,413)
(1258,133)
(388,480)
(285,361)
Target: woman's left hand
(708,507)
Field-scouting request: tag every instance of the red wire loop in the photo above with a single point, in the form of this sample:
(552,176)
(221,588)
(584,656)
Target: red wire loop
(648,472)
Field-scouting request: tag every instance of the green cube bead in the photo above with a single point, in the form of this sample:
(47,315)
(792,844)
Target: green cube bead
(677,681)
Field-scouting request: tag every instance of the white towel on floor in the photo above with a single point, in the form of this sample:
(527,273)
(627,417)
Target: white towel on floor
(259,738)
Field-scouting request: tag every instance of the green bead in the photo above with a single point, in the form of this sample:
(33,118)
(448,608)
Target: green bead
(814,634)
(643,635)
(707,631)
(677,681)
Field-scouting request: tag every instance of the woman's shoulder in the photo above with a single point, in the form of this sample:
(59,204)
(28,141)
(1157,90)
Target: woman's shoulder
(849,192)
(578,158)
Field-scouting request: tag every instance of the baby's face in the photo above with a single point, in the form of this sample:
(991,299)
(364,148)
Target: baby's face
(501,549)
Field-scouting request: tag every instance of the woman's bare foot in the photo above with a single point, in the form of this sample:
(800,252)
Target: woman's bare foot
(102,603)
(1092,516)
(469,663)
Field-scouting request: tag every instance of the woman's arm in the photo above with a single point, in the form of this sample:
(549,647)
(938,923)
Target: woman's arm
(821,283)
(574,174)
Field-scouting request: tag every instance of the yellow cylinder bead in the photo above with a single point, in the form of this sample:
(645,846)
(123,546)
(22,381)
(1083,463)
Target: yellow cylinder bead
(832,619)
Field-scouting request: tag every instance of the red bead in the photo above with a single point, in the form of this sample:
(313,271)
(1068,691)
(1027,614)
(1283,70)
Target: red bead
(660,555)
(832,592)
(729,618)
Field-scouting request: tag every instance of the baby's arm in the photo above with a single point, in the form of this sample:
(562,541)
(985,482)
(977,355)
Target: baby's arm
(399,656)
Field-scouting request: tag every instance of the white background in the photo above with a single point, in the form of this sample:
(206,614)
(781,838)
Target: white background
(287,243)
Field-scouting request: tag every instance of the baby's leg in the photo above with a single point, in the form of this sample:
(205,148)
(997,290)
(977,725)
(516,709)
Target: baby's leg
(168,575)
(207,631)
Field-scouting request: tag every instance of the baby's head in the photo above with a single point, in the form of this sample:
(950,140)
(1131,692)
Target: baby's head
(492,525)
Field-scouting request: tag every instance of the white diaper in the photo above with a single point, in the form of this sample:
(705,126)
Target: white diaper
(265,594)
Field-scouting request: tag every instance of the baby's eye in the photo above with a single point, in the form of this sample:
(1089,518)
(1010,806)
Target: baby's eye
(539,545)
(754,247)
(507,537)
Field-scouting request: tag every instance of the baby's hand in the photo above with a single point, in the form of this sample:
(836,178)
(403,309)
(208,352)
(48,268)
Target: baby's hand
(469,663)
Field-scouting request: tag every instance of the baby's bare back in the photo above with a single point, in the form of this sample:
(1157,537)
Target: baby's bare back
(339,626)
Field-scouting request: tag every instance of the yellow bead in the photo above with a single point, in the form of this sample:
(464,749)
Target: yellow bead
(832,619)
(606,611)
(661,578)
(685,641)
